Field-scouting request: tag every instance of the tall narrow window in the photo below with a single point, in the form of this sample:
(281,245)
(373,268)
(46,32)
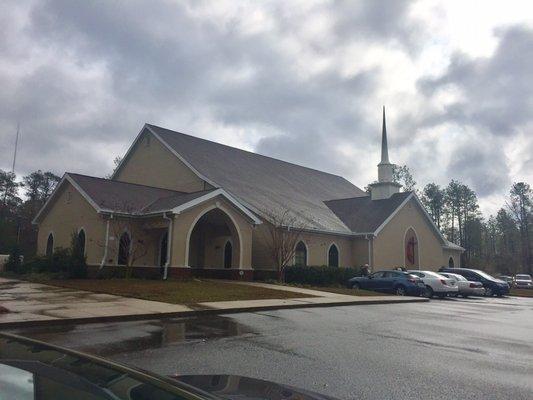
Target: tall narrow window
(124,249)
(163,250)
(228,254)
(50,245)
(300,255)
(81,241)
(333,256)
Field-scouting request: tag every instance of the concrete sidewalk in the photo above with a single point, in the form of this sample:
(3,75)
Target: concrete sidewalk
(38,304)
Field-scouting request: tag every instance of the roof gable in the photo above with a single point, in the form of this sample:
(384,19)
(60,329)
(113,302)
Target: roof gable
(263,184)
(364,215)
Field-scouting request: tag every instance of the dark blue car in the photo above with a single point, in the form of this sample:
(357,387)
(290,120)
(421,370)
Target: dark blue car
(397,282)
(492,285)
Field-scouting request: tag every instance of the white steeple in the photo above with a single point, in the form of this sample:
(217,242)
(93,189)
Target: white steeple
(384,187)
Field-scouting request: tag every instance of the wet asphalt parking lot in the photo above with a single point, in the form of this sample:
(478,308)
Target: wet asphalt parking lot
(454,348)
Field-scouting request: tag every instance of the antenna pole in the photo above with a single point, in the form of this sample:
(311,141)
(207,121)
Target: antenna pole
(15,152)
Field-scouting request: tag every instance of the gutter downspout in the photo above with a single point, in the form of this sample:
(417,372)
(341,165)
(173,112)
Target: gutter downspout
(169,244)
(102,263)
(370,248)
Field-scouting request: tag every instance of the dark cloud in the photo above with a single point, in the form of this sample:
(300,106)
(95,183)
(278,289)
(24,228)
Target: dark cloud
(83,77)
(98,70)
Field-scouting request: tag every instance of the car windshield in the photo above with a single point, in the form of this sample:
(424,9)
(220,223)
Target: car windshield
(523,277)
(431,274)
(484,274)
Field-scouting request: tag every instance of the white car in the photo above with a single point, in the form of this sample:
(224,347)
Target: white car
(437,284)
(466,287)
(523,281)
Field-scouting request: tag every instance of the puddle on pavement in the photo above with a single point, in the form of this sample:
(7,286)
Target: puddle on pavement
(106,339)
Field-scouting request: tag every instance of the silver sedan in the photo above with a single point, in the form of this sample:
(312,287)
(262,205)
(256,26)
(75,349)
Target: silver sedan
(466,287)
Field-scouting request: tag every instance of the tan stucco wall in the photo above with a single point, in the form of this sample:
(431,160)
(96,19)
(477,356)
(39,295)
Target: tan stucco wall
(154,165)
(68,214)
(149,231)
(184,222)
(389,246)
(455,254)
(360,252)
(317,248)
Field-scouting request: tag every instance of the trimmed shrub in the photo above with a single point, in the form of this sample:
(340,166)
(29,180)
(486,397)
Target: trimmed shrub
(320,276)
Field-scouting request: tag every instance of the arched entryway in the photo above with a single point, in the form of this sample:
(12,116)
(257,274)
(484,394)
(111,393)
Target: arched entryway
(214,241)
(451,264)
(411,249)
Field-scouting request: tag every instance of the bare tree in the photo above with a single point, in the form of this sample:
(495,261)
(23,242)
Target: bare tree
(129,244)
(283,231)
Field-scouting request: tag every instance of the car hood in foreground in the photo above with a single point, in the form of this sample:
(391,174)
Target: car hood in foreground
(235,387)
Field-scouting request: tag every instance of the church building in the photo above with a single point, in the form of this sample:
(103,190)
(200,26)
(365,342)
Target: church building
(178,205)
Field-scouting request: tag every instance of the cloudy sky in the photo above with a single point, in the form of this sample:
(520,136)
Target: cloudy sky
(303,81)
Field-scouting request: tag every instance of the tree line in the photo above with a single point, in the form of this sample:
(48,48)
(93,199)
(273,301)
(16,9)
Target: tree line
(499,243)
(16,213)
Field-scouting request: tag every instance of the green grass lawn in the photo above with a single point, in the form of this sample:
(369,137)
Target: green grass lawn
(521,292)
(174,291)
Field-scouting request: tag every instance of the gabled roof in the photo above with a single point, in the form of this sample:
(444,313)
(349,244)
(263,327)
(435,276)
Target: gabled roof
(109,196)
(129,198)
(364,215)
(263,184)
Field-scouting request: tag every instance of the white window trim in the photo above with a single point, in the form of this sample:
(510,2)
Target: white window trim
(418,246)
(338,254)
(85,239)
(224,253)
(306,253)
(53,242)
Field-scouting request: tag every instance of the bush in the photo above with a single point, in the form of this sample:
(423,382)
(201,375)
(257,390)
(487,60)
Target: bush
(320,276)
(14,262)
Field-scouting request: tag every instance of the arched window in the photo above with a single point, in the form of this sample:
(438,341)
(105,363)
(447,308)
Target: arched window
(50,245)
(81,242)
(333,256)
(411,249)
(124,246)
(300,255)
(450,262)
(228,254)
(163,249)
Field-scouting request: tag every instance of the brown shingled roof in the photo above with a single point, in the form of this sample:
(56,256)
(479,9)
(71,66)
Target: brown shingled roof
(263,184)
(364,215)
(131,198)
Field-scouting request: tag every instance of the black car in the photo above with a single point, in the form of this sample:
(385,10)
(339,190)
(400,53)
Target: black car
(398,282)
(30,369)
(492,285)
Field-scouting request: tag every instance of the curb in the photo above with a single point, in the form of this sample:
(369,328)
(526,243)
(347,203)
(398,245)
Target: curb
(198,313)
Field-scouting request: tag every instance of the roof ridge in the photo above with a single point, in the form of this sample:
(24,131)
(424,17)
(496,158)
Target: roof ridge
(250,152)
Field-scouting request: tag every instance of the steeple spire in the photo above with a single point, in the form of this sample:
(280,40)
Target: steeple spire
(384,146)
(385,187)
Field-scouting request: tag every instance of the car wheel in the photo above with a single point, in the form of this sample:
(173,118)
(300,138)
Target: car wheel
(356,286)
(489,292)
(441,295)
(465,296)
(400,291)
(429,292)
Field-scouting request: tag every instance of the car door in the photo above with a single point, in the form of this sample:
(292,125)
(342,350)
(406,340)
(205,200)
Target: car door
(387,282)
(374,283)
